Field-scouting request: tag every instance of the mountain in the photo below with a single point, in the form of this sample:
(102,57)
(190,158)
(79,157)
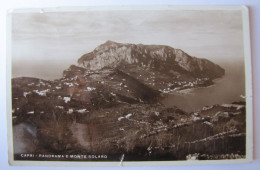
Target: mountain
(110,104)
(157,57)
(162,68)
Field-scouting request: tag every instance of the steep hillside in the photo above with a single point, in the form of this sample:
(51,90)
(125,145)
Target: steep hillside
(156,57)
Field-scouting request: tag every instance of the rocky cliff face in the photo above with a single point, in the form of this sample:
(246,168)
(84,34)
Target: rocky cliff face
(157,57)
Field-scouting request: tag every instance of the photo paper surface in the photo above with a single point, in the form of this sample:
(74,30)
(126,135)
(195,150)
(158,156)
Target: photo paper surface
(131,85)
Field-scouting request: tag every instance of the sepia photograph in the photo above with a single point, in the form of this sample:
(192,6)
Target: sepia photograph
(130,84)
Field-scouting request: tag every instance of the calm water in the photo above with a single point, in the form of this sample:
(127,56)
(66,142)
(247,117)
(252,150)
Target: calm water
(44,69)
(225,90)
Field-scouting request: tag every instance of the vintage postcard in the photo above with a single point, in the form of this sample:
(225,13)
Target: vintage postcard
(129,86)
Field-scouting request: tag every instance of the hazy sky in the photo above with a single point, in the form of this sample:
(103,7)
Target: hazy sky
(65,36)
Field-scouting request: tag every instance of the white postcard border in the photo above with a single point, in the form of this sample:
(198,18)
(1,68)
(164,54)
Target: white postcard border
(248,73)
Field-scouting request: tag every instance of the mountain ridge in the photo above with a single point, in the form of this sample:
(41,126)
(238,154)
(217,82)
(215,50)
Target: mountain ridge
(112,54)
